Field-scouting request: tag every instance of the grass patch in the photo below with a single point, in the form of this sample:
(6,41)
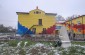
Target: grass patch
(15,42)
(49,43)
(29,42)
(46,43)
(78,43)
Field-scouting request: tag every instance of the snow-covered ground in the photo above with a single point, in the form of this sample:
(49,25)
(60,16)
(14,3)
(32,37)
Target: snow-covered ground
(42,49)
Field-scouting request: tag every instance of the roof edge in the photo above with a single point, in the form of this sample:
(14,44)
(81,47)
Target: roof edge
(51,14)
(75,18)
(22,12)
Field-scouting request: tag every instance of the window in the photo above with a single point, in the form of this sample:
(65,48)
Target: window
(40,21)
(37,12)
(78,22)
(34,30)
(58,27)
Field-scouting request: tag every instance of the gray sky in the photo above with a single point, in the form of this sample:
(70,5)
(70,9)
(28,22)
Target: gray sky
(8,8)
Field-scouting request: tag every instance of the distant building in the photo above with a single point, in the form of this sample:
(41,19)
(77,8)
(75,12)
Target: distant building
(77,26)
(36,22)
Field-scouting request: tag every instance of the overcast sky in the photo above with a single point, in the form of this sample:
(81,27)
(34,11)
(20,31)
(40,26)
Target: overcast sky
(8,8)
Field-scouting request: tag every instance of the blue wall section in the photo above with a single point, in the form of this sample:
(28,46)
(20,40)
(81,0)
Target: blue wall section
(23,30)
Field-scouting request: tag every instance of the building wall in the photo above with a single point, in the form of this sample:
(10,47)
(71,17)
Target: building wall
(67,24)
(76,28)
(27,20)
(77,25)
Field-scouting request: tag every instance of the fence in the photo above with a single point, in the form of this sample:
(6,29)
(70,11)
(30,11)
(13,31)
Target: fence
(44,37)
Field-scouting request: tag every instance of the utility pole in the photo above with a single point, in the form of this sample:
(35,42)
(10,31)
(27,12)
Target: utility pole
(83,26)
(71,28)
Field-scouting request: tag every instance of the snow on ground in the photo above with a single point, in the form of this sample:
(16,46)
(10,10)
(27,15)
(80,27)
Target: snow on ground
(42,49)
(79,46)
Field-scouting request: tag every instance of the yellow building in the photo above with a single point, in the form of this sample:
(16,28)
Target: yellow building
(36,22)
(77,25)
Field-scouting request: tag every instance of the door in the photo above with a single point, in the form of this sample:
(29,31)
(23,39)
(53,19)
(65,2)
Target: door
(34,30)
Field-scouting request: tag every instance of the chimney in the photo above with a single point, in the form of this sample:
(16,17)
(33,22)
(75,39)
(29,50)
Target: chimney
(37,7)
